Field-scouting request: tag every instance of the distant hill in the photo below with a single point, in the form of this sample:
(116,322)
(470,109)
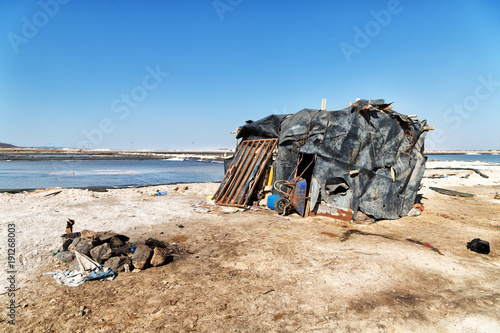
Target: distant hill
(6,145)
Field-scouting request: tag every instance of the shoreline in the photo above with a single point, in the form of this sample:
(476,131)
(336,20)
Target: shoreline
(66,154)
(69,154)
(98,188)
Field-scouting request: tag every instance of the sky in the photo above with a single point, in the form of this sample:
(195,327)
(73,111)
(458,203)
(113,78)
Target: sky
(178,74)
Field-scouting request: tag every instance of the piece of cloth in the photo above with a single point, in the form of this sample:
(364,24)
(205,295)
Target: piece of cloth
(88,270)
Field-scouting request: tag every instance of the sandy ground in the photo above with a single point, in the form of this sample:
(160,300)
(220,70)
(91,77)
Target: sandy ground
(255,271)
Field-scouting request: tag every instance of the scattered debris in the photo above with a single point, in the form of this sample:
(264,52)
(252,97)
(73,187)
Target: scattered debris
(103,251)
(329,234)
(451,192)
(436,176)
(69,226)
(210,208)
(158,193)
(349,232)
(424,244)
(469,169)
(83,311)
(419,206)
(87,270)
(53,193)
(414,212)
(497,196)
(479,246)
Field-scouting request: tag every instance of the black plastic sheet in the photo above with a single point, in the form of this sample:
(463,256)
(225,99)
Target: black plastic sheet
(386,147)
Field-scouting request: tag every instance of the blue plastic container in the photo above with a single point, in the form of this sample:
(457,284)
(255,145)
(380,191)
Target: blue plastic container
(270,201)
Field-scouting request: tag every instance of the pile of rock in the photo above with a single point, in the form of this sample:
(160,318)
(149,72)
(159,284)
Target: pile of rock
(114,251)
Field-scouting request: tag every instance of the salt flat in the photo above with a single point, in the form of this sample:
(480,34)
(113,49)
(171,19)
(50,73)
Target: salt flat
(256,271)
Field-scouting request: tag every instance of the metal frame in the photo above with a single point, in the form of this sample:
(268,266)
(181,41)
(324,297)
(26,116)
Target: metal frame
(252,156)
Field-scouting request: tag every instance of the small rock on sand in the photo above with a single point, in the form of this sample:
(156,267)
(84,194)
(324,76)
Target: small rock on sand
(160,256)
(101,253)
(141,256)
(65,256)
(115,242)
(118,264)
(89,234)
(84,246)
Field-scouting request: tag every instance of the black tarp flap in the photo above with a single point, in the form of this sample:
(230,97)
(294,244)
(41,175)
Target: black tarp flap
(265,128)
(385,146)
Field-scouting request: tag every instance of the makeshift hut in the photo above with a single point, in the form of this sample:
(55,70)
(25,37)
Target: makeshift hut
(365,157)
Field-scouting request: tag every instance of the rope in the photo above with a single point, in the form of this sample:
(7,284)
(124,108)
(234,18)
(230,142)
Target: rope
(411,137)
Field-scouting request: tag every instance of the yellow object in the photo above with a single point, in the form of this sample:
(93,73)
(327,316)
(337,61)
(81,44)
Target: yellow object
(270,181)
(209,197)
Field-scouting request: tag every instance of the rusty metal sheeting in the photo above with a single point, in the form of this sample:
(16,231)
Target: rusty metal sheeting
(329,210)
(242,177)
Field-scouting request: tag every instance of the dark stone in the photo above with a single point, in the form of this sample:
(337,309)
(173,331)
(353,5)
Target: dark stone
(89,234)
(152,243)
(117,264)
(115,242)
(73,244)
(66,244)
(141,256)
(160,256)
(117,251)
(65,256)
(101,253)
(104,236)
(72,235)
(85,245)
(74,266)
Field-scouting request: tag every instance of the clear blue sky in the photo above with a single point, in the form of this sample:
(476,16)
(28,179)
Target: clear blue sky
(75,71)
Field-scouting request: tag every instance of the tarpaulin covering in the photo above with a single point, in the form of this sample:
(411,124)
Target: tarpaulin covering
(366,150)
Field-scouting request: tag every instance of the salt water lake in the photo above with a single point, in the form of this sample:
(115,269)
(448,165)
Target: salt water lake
(110,173)
(87,173)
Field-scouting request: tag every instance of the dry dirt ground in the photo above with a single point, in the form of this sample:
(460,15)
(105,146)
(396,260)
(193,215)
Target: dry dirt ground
(255,271)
